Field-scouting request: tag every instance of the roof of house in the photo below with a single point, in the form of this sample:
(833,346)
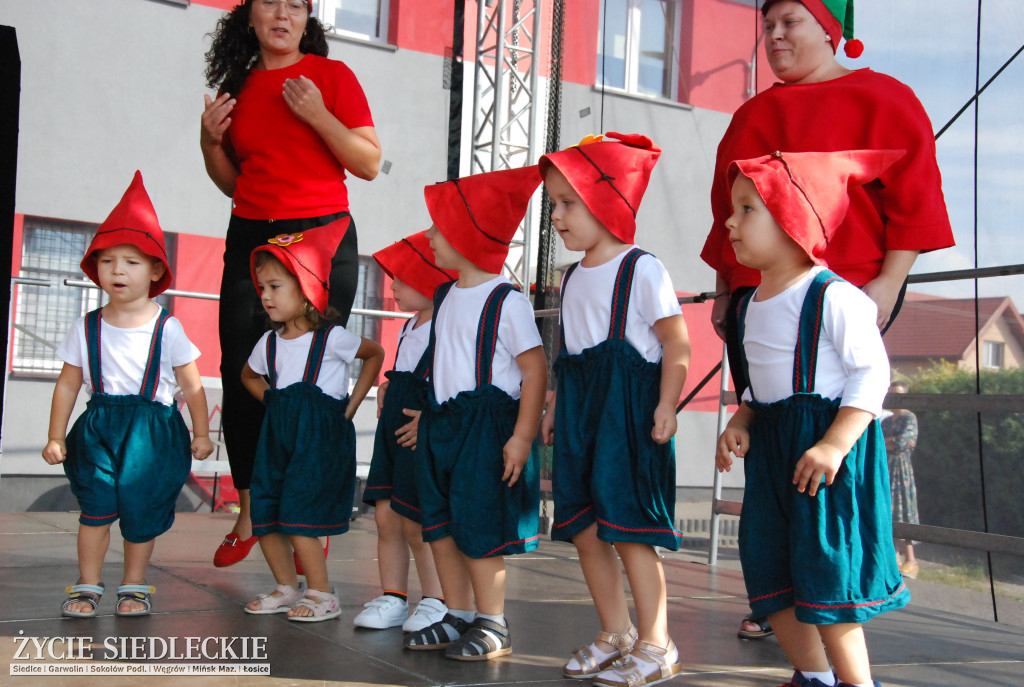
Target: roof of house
(933,327)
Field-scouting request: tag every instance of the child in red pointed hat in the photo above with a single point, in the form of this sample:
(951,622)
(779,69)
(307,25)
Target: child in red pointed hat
(128,455)
(391,486)
(303,480)
(479,485)
(620,373)
(816,534)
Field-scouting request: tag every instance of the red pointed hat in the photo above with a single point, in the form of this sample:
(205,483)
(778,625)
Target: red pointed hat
(412,262)
(307,255)
(479,214)
(132,221)
(808,193)
(609,176)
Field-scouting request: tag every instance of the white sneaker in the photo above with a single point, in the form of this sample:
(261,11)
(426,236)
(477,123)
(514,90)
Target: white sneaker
(383,612)
(428,612)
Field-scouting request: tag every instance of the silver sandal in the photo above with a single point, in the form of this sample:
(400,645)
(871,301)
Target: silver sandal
(629,672)
(589,665)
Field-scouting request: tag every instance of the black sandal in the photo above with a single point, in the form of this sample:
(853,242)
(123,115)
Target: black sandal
(478,644)
(436,636)
(764,628)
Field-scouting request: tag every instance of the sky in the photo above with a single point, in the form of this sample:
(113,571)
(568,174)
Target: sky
(934,48)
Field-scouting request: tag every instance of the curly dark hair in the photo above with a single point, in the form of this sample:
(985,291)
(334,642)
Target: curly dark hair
(236,49)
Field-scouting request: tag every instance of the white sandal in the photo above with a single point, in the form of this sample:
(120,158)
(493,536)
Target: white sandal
(587,660)
(277,604)
(629,672)
(325,605)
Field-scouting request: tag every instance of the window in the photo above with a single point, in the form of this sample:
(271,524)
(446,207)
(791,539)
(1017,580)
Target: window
(359,18)
(637,46)
(51,250)
(992,355)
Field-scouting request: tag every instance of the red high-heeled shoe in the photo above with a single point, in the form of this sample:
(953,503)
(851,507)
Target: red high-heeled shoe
(233,549)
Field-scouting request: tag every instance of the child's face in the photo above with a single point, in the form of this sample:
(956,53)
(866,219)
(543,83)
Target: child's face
(126,273)
(576,224)
(445,257)
(758,240)
(407,298)
(280,294)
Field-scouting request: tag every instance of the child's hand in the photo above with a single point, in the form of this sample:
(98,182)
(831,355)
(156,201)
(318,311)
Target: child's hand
(407,433)
(820,461)
(664,423)
(381,390)
(733,442)
(202,447)
(515,453)
(55,451)
(547,427)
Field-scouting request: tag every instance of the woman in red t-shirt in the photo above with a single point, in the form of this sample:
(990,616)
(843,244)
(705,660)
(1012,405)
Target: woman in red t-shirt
(285,129)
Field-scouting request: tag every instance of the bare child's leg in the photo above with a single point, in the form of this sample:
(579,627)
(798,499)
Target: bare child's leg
(453,575)
(800,641)
(603,574)
(846,645)
(92,549)
(278,553)
(310,553)
(647,583)
(136,560)
(430,584)
(487,576)
(243,523)
(392,553)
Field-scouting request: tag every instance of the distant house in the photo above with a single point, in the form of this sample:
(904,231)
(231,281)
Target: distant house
(930,328)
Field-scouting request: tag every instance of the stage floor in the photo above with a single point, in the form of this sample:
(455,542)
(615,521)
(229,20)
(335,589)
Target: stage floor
(548,610)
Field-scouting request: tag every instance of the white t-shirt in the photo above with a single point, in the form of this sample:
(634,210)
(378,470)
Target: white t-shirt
(852,361)
(456,325)
(124,354)
(290,358)
(413,341)
(587,305)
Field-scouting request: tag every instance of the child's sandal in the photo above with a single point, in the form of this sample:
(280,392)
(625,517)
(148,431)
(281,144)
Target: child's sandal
(630,671)
(268,603)
(435,636)
(324,605)
(587,661)
(484,640)
(135,592)
(78,593)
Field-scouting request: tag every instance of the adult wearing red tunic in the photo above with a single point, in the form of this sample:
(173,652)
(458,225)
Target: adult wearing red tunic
(286,128)
(822,106)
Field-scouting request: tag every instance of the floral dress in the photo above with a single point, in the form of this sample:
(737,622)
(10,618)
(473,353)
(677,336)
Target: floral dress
(900,431)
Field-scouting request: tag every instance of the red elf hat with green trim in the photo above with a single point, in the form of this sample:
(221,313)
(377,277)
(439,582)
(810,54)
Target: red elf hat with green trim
(836,17)
(133,221)
(808,193)
(411,262)
(307,255)
(479,214)
(610,176)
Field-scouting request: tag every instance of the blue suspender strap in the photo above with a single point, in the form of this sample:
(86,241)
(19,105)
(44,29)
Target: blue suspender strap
(487,332)
(805,358)
(92,344)
(439,296)
(561,321)
(151,378)
(620,294)
(271,359)
(741,315)
(315,359)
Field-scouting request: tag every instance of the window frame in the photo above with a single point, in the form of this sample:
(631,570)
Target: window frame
(631,78)
(383,22)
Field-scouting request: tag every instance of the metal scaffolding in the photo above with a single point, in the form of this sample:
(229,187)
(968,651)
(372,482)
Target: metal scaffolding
(505,104)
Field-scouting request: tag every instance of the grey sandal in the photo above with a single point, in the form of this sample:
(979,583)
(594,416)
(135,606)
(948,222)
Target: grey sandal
(78,592)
